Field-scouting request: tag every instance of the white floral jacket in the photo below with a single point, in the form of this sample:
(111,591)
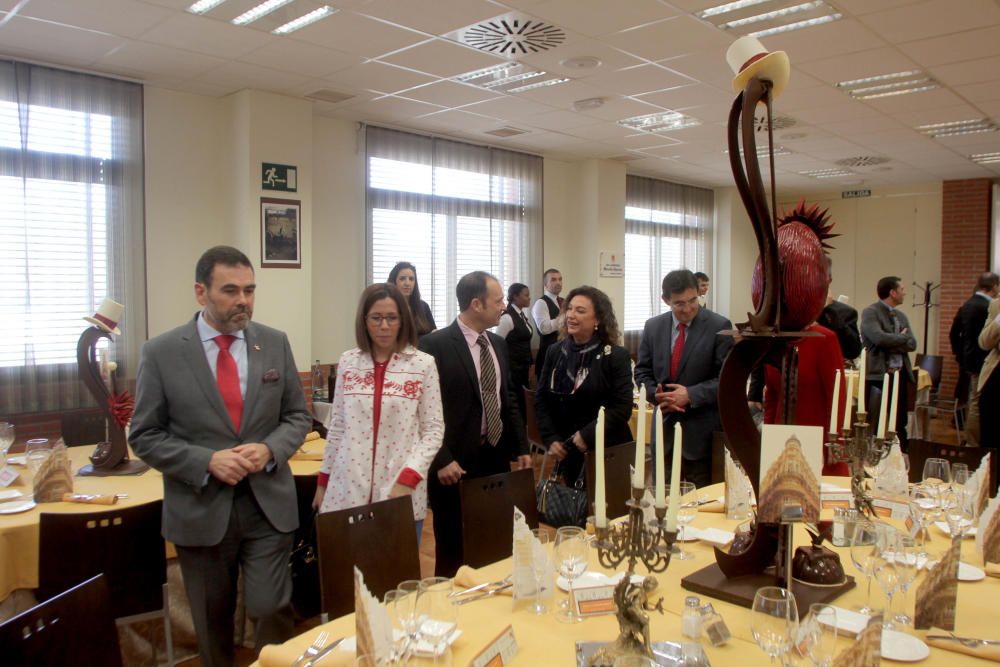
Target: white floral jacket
(411,428)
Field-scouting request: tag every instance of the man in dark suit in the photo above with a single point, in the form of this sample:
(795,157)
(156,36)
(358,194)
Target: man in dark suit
(964,338)
(680,358)
(483,430)
(842,320)
(219,410)
(885,332)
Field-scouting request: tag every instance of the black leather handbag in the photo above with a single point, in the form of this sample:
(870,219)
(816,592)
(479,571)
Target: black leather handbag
(560,504)
(304,566)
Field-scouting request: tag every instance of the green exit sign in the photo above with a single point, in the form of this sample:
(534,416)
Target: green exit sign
(283,177)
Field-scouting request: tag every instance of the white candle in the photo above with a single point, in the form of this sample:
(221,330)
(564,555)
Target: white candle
(835,406)
(895,401)
(882,407)
(675,480)
(639,480)
(861,384)
(600,511)
(661,463)
(847,402)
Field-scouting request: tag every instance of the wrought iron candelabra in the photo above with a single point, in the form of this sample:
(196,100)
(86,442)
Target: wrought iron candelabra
(636,540)
(860,450)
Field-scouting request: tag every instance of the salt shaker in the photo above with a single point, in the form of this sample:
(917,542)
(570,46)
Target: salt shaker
(715,627)
(691,617)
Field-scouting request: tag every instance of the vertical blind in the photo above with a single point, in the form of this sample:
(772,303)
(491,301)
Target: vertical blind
(451,208)
(71,190)
(667,226)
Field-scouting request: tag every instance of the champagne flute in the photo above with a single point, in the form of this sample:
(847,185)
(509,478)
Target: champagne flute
(540,567)
(774,620)
(571,555)
(686,513)
(818,634)
(907,562)
(437,616)
(863,547)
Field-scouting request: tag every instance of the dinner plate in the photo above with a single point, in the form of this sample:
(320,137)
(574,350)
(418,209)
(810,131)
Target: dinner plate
(897,646)
(10,494)
(943,527)
(422,649)
(17,506)
(966,572)
(594,579)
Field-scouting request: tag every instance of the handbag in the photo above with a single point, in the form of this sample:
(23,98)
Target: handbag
(560,504)
(304,566)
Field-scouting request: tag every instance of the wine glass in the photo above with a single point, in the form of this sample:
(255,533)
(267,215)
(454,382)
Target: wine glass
(774,620)
(35,453)
(925,506)
(686,513)
(540,567)
(936,475)
(863,548)
(907,563)
(571,556)
(818,634)
(436,615)
(958,511)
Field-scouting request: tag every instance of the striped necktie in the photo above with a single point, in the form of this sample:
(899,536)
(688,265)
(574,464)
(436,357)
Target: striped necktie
(488,388)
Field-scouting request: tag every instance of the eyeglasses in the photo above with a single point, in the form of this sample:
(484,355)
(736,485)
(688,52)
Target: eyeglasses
(684,304)
(377,320)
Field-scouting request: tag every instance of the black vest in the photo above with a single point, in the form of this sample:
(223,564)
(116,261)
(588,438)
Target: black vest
(518,340)
(548,339)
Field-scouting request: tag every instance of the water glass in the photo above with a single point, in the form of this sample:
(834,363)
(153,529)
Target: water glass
(35,453)
(571,552)
(863,555)
(818,634)
(686,513)
(907,562)
(774,620)
(437,617)
(404,610)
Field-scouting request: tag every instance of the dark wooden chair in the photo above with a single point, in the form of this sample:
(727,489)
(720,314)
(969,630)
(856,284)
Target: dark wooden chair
(618,461)
(74,628)
(531,422)
(82,427)
(380,539)
(921,450)
(934,365)
(123,544)
(305,576)
(488,514)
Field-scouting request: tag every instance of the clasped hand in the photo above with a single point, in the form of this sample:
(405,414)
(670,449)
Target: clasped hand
(672,398)
(232,465)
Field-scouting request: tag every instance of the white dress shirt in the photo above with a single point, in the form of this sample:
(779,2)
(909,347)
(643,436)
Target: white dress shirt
(506,324)
(540,311)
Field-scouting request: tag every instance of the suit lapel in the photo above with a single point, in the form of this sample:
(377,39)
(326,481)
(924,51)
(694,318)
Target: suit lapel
(194,355)
(464,354)
(255,370)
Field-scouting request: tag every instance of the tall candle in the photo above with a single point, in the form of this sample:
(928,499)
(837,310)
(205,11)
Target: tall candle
(847,402)
(661,463)
(600,510)
(639,478)
(675,480)
(895,401)
(882,408)
(861,383)
(835,406)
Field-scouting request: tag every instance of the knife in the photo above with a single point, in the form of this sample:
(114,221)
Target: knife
(485,594)
(979,642)
(323,652)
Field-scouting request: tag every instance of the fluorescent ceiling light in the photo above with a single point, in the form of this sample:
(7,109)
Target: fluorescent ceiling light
(664,121)
(539,84)
(769,17)
(304,20)
(500,78)
(728,7)
(798,25)
(203,6)
(886,85)
(826,173)
(260,11)
(958,127)
(762,151)
(985,158)
(776,14)
(876,79)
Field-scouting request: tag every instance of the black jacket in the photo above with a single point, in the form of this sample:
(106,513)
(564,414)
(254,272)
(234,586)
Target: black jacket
(842,320)
(964,334)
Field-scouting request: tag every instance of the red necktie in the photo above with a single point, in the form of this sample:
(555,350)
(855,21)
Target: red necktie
(228,378)
(675,356)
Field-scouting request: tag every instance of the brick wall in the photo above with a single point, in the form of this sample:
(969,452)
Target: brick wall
(965,253)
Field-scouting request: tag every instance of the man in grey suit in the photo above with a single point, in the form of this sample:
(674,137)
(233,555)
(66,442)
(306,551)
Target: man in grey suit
(680,358)
(219,410)
(885,332)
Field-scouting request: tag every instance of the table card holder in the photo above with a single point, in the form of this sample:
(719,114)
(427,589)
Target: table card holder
(372,625)
(866,650)
(982,478)
(988,535)
(937,595)
(54,477)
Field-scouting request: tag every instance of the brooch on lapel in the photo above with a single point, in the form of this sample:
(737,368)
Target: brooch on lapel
(271,375)
(256,347)
(607,349)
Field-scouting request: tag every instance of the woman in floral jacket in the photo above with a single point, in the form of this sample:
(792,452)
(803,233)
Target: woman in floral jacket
(385,424)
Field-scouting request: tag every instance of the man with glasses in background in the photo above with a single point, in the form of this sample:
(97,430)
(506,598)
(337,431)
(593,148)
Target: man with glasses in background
(680,358)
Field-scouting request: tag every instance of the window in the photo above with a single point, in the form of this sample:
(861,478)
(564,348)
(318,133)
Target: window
(71,233)
(667,226)
(451,208)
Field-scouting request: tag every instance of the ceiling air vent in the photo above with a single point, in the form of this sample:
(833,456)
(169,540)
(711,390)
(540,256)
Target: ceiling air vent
(779,123)
(511,35)
(505,132)
(862,161)
(327,95)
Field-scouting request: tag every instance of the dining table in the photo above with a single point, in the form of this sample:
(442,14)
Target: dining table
(542,640)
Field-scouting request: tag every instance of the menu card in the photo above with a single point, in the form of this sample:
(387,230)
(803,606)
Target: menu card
(54,477)
(937,595)
(372,624)
(791,462)
(988,535)
(866,649)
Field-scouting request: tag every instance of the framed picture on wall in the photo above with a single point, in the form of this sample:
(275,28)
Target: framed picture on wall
(280,233)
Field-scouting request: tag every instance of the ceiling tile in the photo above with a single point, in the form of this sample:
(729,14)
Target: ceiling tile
(557,121)
(873,123)
(448,94)
(932,18)
(204,35)
(355,33)
(969,45)
(510,107)
(608,132)
(972,71)
(648,140)
(575,46)
(33,39)
(395,108)
(836,110)
(695,94)
(705,66)
(600,17)
(436,17)
(929,99)
(193,87)
(151,61)
(858,65)
(126,18)
(562,95)
(861,7)
(638,80)
(441,58)
(979,93)
(919,115)
(374,75)
(671,38)
(301,58)
(457,120)
(243,76)
(824,41)
(618,108)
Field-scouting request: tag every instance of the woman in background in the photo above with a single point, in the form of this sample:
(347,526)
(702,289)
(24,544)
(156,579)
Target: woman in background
(404,277)
(515,327)
(386,424)
(583,372)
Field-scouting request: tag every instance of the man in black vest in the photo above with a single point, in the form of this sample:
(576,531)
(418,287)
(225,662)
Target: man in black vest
(516,329)
(547,313)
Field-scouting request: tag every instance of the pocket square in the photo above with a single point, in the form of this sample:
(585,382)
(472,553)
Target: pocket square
(272,375)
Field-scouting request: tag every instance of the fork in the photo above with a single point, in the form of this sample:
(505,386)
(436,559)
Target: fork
(313,649)
(968,642)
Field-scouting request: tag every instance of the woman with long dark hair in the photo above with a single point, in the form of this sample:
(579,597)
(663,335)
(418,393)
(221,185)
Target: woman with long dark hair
(583,372)
(404,277)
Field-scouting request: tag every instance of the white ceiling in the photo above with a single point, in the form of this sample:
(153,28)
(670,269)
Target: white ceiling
(391,56)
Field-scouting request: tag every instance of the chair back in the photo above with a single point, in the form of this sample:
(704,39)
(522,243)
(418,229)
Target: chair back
(933,364)
(921,450)
(82,427)
(305,575)
(531,421)
(379,539)
(488,514)
(617,478)
(74,627)
(124,544)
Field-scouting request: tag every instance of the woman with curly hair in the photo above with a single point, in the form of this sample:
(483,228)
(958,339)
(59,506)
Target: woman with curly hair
(404,277)
(586,370)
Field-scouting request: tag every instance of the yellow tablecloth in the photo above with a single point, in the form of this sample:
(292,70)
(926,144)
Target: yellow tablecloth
(544,641)
(19,532)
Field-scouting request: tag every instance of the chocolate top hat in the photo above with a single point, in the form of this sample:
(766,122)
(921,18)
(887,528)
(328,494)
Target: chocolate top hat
(747,57)
(107,317)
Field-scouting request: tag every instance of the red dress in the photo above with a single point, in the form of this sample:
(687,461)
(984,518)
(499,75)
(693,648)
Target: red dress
(819,358)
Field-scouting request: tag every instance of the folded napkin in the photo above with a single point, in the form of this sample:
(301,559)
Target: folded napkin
(992,569)
(90,498)
(311,435)
(715,507)
(311,449)
(283,655)
(986,652)
(467,577)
